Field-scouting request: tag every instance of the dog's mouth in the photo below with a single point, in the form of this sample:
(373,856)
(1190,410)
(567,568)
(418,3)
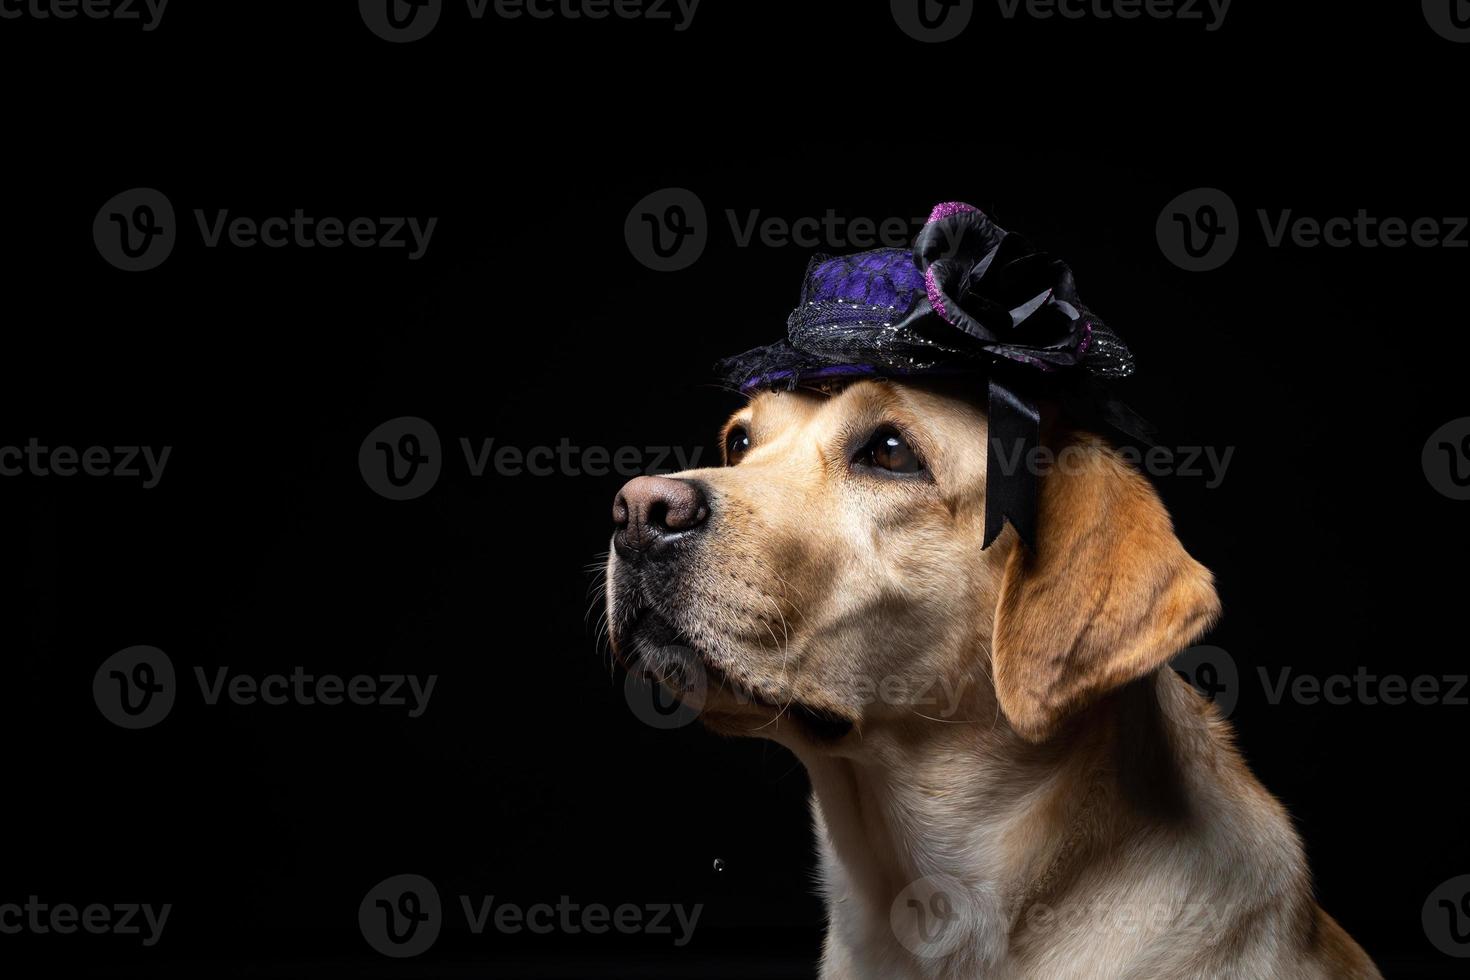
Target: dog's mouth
(727,701)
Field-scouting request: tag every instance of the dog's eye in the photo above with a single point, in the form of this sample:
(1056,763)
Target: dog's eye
(887,450)
(737,444)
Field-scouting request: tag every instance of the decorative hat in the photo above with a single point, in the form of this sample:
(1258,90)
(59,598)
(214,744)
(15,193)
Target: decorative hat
(970,298)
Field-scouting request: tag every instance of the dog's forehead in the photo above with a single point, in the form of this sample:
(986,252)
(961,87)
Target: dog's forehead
(779,408)
(917,404)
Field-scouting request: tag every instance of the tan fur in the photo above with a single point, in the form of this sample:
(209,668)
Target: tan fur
(1017,736)
(1109,596)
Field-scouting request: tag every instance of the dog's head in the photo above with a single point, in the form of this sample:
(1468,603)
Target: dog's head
(830,575)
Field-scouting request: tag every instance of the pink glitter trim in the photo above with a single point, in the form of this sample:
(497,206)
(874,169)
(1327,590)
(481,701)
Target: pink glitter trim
(1086,337)
(949,209)
(936,298)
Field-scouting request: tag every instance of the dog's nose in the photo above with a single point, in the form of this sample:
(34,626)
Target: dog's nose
(651,509)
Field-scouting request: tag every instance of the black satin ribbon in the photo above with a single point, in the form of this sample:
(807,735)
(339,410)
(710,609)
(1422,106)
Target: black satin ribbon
(1010,476)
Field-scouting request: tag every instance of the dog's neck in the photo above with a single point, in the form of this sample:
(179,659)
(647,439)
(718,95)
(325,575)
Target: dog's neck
(896,827)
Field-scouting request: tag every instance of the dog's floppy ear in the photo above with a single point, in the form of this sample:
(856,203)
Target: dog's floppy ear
(1108,596)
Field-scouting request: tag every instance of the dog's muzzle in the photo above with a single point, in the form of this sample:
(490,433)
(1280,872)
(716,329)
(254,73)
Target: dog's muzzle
(653,512)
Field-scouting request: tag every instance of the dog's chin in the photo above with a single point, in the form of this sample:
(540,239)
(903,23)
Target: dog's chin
(728,702)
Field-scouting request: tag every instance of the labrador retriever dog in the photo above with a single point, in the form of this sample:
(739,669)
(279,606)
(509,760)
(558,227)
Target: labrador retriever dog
(1008,779)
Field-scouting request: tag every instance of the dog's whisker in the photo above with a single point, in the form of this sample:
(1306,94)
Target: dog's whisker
(945,721)
(785,642)
(787,586)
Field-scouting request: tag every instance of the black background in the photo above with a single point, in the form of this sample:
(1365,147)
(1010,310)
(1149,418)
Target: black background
(529,321)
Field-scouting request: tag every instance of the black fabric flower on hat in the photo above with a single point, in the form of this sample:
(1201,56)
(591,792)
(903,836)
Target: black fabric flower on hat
(969,298)
(1015,302)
